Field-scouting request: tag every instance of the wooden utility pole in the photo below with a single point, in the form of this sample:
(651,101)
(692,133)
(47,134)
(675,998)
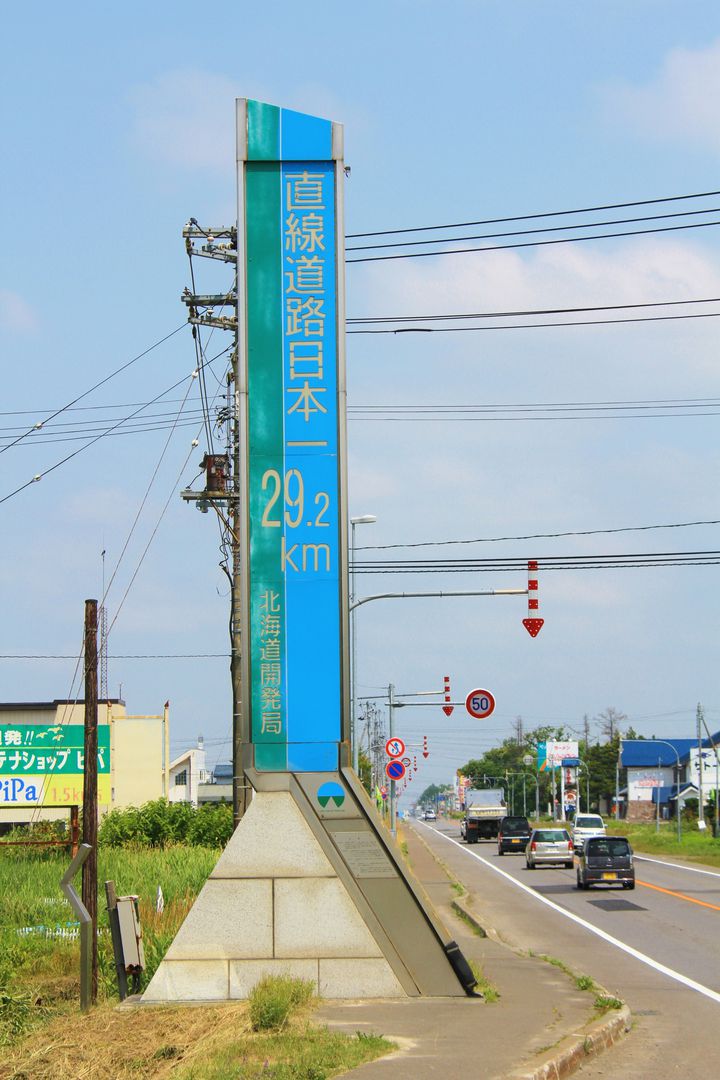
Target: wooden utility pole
(90,793)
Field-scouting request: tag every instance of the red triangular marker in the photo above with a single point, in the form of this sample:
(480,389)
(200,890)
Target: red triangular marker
(533,626)
(426,753)
(447,709)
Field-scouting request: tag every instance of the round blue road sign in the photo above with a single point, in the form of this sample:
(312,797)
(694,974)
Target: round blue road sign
(395,769)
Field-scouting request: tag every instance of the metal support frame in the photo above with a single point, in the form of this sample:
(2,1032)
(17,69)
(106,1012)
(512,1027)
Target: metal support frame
(86,925)
(111,897)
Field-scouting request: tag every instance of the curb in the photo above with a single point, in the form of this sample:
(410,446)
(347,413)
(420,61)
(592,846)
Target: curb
(573,1050)
(576,1049)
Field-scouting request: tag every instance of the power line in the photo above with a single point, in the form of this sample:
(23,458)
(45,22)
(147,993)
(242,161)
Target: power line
(444,414)
(102,382)
(549,562)
(142,506)
(533,232)
(535,326)
(534,243)
(539,536)
(102,435)
(528,311)
(117,656)
(534,216)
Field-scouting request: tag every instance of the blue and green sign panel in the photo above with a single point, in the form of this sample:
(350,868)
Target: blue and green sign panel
(288,274)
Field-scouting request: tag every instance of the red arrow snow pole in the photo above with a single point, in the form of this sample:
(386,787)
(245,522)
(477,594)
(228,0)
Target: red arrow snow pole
(447,708)
(533,624)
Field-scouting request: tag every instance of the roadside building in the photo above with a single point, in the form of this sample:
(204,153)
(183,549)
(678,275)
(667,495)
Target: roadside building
(662,773)
(187,772)
(219,786)
(42,758)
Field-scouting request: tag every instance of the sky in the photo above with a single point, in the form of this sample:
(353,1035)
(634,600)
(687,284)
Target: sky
(118,127)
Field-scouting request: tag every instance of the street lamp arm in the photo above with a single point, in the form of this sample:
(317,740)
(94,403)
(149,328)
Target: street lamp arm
(456,592)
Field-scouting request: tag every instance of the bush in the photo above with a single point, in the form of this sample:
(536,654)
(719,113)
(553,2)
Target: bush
(274,998)
(159,823)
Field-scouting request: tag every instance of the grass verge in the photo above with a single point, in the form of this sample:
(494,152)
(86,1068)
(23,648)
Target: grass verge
(213,1043)
(39,948)
(695,846)
(490,993)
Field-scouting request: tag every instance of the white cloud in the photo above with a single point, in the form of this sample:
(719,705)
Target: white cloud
(15,313)
(680,103)
(646,270)
(650,270)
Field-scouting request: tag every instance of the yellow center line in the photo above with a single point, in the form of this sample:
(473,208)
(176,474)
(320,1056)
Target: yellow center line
(680,896)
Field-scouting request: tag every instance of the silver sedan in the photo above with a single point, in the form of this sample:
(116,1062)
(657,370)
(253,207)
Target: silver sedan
(549,846)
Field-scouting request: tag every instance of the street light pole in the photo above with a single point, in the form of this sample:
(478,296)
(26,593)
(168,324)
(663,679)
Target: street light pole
(364,519)
(582,765)
(529,760)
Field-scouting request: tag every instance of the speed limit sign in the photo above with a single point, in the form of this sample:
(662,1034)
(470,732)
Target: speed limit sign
(480,703)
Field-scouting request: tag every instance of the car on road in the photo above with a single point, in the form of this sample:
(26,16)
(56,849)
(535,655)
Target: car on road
(584,826)
(606,860)
(430,815)
(549,846)
(513,834)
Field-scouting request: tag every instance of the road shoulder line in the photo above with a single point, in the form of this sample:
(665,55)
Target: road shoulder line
(642,957)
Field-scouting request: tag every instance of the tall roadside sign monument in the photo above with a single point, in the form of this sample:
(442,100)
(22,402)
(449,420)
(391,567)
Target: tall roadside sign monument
(310,883)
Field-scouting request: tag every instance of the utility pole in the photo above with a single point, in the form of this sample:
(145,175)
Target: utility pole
(90,800)
(241,736)
(586,725)
(221,245)
(391,713)
(701,800)
(518,726)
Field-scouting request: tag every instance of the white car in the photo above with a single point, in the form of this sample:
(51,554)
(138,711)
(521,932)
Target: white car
(584,826)
(430,815)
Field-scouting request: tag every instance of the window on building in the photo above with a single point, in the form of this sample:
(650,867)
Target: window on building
(181,779)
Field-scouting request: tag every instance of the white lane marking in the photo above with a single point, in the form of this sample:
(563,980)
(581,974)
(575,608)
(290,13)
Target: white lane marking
(678,866)
(642,957)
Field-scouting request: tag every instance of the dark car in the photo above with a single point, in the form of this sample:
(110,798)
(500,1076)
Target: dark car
(606,860)
(513,834)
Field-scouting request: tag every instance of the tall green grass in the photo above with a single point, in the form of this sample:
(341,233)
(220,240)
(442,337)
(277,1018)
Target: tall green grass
(37,968)
(694,845)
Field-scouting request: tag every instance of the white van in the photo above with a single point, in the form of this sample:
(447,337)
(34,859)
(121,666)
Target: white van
(586,825)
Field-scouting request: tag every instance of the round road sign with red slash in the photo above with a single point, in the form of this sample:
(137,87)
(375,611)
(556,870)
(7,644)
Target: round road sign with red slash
(395,769)
(394,747)
(480,703)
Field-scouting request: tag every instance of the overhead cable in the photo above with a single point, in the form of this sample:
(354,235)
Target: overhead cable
(543,214)
(533,243)
(39,476)
(534,232)
(85,393)
(540,536)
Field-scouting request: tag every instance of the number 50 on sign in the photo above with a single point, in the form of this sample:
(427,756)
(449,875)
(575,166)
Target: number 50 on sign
(480,703)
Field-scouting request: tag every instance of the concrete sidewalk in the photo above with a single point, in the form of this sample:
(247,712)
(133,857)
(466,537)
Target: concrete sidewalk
(542,1025)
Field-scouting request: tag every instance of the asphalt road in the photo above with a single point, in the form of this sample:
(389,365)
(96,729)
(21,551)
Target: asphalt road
(657,947)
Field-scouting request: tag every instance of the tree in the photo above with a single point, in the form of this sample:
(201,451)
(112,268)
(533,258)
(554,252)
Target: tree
(431,793)
(602,762)
(365,771)
(610,720)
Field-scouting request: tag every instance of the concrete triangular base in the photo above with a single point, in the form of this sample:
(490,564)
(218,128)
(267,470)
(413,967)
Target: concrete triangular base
(273,904)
